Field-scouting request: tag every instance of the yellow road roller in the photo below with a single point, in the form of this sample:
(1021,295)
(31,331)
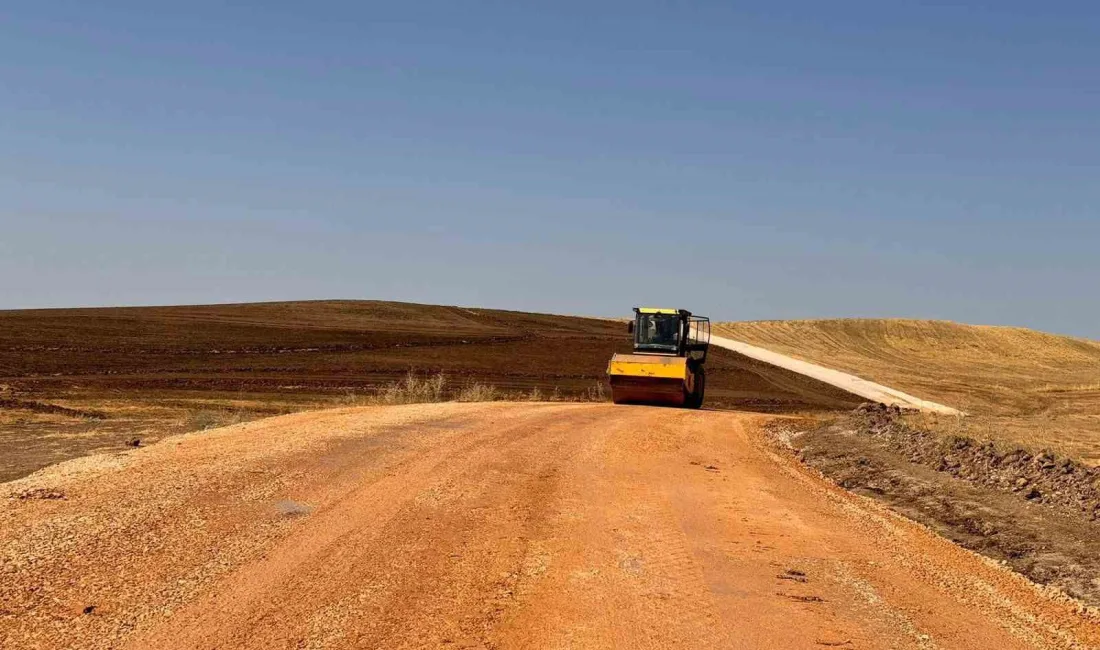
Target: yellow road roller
(666,368)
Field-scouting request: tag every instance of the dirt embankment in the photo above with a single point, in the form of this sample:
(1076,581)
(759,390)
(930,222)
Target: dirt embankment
(49,409)
(1036,512)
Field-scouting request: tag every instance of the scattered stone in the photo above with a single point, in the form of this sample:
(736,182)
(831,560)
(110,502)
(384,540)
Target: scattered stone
(631,565)
(44,494)
(292,509)
(802,599)
(958,443)
(134,442)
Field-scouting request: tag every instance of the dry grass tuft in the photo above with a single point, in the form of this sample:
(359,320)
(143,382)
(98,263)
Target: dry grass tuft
(417,389)
(597,393)
(206,419)
(414,389)
(478,392)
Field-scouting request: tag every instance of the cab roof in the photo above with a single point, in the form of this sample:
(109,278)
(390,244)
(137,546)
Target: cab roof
(658,310)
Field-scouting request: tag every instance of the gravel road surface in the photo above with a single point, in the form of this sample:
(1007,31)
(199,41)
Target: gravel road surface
(500,525)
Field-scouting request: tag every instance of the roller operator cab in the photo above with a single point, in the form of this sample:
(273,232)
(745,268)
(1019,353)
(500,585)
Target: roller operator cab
(670,349)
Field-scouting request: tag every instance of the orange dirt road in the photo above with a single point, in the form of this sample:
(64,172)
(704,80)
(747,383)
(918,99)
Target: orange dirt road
(489,526)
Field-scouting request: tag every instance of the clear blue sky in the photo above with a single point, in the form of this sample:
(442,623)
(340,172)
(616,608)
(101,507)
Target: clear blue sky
(763,160)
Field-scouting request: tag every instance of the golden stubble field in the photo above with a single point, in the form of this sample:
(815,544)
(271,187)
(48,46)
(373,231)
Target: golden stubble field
(1019,386)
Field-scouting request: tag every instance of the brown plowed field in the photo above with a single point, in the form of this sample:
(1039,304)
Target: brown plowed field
(76,381)
(489,526)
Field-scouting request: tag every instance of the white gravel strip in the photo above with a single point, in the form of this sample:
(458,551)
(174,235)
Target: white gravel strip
(842,380)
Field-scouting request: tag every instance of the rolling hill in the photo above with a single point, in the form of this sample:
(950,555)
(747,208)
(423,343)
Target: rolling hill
(1020,385)
(75,381)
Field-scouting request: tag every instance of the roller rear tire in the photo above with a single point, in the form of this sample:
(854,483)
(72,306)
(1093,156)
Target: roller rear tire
(695,399)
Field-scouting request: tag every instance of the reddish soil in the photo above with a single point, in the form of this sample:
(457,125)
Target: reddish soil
(490,526)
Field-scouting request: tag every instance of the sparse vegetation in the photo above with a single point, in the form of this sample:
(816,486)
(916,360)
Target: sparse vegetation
(596,393)
(205,419)
(413,389)
(478,392)
(416,389)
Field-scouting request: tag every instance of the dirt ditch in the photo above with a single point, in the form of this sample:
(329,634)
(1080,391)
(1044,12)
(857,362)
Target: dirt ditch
(1037,513)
